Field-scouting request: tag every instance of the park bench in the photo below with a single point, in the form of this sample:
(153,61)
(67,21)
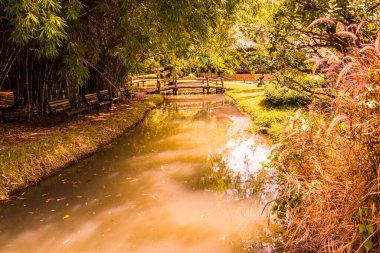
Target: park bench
(63,108)
(6,104)
(105,97)
(92,101)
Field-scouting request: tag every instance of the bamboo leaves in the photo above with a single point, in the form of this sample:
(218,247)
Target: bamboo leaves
(38,23)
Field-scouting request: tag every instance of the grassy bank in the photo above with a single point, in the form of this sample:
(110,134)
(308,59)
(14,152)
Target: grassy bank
(251,100)
(24,165)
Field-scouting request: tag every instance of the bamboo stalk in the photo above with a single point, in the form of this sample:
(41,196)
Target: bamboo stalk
(27,83)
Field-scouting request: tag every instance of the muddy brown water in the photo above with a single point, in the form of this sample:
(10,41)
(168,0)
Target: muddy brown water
(144,193)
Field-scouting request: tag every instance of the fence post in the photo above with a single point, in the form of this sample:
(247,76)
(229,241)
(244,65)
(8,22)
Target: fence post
(159,86)
(175,86)
(208,85)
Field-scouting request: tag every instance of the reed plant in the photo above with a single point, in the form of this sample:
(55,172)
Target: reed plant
(328,160)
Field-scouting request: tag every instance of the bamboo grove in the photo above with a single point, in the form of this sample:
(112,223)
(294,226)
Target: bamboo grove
(55,48)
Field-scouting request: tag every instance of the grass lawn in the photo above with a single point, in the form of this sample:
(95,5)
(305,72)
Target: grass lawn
(251,100)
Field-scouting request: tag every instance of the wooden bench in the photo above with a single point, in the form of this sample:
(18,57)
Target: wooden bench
(63,108)
(92,101)
(105,97)
(7,103)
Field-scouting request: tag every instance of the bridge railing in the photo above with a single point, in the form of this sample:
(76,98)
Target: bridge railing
(158,85)
(205,83)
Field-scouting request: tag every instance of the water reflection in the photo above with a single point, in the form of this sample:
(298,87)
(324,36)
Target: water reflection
(244,156)
(145,193)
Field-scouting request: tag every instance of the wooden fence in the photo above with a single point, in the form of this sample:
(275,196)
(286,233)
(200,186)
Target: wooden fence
(240,77)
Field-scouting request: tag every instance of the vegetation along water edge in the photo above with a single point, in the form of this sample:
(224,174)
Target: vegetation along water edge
(258,102)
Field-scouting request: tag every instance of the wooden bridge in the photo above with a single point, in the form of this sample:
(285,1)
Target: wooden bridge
(163,85)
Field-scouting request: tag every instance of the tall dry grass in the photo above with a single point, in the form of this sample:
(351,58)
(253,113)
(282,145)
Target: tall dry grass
(329,160)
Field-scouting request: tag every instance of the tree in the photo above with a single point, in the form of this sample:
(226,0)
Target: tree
(285,40)
(55,48)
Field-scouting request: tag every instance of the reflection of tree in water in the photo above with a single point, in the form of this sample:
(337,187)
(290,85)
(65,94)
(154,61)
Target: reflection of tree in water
(203,114)
(200,110)
(165,121)
(245,184)
(221,175)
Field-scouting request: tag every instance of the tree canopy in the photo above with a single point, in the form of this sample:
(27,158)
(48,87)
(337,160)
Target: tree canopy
(287,33)
(79,45)
(76,45)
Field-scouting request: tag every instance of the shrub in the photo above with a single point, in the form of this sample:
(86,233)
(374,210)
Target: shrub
(329,164)
(277,95)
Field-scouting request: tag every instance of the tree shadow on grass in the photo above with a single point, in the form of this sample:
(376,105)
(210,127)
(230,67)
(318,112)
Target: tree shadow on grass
(290,105)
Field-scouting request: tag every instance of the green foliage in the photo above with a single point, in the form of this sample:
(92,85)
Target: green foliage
(252,101)
(292,201)
(278,95)
(39,24)
(284,38)
(79,46)
(255,23)
(220,178)
(72,10)
(366,231)
(73,70)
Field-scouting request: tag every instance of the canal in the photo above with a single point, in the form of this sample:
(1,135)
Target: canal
(159,188)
